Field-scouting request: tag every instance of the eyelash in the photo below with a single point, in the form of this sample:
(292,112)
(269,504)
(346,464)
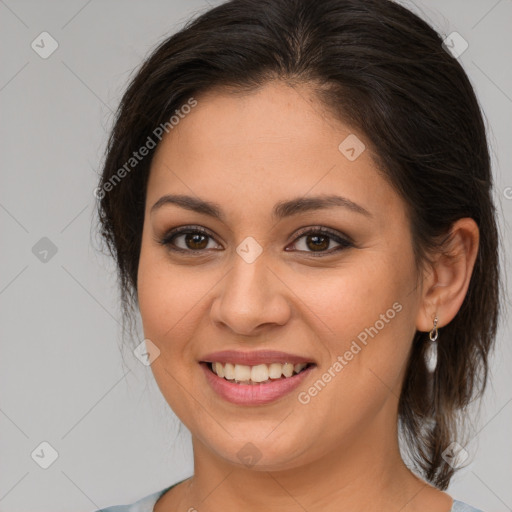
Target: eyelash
(168,239)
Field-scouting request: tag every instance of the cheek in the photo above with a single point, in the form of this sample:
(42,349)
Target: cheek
(352,298)
(165,307)
(152,299)
(172,301)
(162,298)
(162,290)
(368,318)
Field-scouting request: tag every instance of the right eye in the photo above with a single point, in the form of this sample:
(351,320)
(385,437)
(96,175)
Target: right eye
(194,239)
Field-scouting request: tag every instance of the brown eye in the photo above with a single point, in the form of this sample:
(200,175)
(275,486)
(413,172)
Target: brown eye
(195,241)
(315,242)
(187,240)
(319,240)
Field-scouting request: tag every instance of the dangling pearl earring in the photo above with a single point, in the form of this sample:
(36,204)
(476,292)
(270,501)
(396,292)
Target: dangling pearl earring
(431,350)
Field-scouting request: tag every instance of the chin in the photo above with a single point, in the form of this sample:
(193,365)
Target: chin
(261,453)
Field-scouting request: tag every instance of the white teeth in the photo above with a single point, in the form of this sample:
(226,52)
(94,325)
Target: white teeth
(299,367)
(229,371)
(219,370)
(257,373)
(288,369)
(275,370)
(242,372)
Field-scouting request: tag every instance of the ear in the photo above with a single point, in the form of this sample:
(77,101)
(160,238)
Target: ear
(445,287)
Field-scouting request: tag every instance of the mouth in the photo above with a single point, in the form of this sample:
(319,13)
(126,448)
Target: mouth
(255,378)
(258,374)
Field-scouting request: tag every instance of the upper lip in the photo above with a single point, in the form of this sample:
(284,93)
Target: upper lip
(254,358)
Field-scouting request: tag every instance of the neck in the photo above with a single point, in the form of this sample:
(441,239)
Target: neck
(364,472)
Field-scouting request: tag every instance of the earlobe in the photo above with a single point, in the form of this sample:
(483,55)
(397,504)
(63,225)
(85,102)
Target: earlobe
(446,286)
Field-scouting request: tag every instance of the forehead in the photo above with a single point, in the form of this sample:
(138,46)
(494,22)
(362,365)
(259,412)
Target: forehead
(266,145)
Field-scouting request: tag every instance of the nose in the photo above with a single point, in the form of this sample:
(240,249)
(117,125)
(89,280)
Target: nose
(251,298)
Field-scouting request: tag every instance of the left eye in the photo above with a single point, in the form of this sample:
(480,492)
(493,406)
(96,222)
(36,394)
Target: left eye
(321,238)
(196,240)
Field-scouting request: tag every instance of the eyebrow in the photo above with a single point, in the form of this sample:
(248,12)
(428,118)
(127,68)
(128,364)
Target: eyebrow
(281,209)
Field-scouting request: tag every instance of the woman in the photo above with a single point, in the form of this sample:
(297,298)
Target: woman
(298,198)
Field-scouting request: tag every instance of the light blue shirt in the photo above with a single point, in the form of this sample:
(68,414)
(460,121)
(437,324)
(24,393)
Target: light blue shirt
(147,503)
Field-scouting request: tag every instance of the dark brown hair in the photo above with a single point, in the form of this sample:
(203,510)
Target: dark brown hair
(382,70)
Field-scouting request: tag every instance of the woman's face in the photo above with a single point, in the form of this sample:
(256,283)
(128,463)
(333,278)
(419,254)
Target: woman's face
(346,302)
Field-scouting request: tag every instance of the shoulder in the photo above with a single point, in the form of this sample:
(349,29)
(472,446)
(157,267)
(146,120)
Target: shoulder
(145,504)
(459,506)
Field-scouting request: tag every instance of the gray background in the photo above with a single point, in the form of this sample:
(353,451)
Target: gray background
(62,377)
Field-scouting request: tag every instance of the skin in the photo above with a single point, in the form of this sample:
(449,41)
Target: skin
(246,152)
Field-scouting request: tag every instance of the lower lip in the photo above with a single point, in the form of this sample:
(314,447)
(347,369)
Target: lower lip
(254,394)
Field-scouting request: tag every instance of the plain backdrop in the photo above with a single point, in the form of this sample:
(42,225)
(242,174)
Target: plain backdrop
(62,377)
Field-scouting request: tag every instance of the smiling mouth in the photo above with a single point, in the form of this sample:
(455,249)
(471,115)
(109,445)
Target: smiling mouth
(258,374)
